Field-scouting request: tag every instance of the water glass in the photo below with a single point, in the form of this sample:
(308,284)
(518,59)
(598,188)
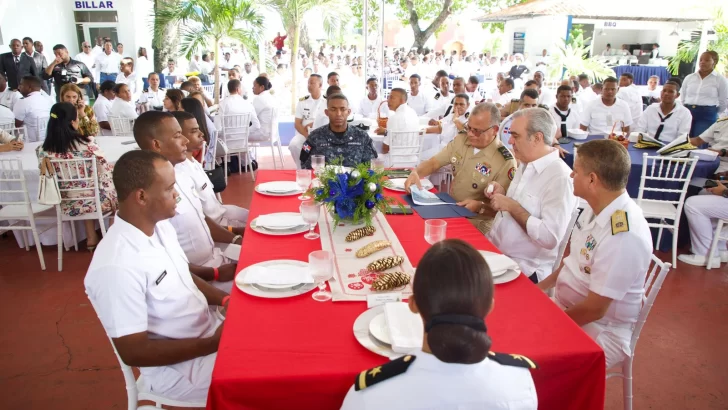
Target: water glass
(378,164)
(310,212)
(303,180)
(321,267)
(435,230)
(318,162)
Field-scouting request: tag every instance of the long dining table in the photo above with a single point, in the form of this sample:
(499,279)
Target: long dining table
(297,353)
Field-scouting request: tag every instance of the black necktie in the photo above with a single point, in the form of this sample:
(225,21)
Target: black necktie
(563,120)
(449,108)
(17,63)
(662,124)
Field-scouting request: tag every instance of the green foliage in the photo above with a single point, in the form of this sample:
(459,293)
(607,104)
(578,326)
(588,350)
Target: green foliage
(571,58)
(375,11)
(687,50)
(577,31)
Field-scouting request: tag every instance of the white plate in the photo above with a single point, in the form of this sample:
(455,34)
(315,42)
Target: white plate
(399,186)
(279,231)
(577,133)
(502,276)
(378,329)
(362,335)
(274,291)
(260,188)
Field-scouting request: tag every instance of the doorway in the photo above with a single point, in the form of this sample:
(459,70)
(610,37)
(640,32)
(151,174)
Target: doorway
(90,31)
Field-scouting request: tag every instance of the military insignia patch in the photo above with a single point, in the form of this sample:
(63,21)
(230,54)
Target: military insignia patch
(482,168)
(591,243)
(307,147)
(437,96)
(467,114)
(506,153)
(511,173)
(619,222)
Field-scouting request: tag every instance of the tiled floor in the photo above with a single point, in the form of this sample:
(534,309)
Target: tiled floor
(54,353)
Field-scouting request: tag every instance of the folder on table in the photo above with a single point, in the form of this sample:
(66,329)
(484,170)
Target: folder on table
(440,211)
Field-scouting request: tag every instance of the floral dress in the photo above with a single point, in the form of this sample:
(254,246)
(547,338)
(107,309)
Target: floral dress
(84,204)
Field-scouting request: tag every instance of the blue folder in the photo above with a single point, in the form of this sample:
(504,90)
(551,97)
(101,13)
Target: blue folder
(439,211)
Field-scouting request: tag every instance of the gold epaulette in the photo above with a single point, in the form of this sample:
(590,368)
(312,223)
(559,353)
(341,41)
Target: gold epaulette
(516,360)
(386,371)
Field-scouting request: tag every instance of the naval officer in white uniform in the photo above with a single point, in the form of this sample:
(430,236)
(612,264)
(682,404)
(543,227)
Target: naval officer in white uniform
(601,283)
(306,110)
(160,318)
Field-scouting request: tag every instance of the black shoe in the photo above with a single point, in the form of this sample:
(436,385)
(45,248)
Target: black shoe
(253,164)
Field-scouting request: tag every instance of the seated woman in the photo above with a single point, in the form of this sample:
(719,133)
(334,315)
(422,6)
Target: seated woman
(173,100)
(194,106)
(123,106)
(64,141)
(452,292)
(87,124)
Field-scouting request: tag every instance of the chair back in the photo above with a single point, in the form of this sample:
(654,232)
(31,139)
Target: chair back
(565,239)
(13,188)
(274,135)
(20,133)
(209,89)
(656,274)
(405,148)
(389,80)
(41,125)
(236,127)
(7,125)
(121,127)
(665,180)
(77,179)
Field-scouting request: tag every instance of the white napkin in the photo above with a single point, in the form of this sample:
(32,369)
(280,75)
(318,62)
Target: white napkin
(278,275)
(280,186)
(405,328)
(500,263)
(279,221)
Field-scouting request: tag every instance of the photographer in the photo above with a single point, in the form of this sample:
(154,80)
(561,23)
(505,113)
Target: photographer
(65,70)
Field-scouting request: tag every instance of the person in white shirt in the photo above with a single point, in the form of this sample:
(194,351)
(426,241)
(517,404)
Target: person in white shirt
(8,97)
(207,246)
(705,93)
(143,291)
(601,283)
(450,126)
(235,104)
(107,63)
(194,66)
(369,105)
(608,51)
(667,119)
(102,106)
(226,63)
(129,77)
(33,108)
(506,93)
(6,116)
(172,71)
(420,102)
(413,67)
(564,114)
(454,369)
(543,60)
(402,118)
(88,58)
(99,47)
(655,53)
(122,106)
(444,109)
(653,89)
(232,74)
(534,213)
(307,109)
(600,115)
(631,95)
(154,96)
(264,105)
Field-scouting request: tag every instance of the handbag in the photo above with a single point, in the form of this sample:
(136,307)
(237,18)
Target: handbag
(48,192)
(217,177)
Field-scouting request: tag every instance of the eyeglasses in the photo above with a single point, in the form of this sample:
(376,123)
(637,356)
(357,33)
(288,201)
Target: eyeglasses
(476,132)
(86,46)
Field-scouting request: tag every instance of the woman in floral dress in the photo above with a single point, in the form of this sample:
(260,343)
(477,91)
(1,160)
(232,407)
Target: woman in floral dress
(87,124)
(64,141)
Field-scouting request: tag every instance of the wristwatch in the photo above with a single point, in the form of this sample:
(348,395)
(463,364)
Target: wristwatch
(723,152)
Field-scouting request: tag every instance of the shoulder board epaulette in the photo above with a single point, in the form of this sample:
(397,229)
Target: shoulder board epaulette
(722,119)
(516,360)
(515,100)
(162,89)
(304,98)
(437,96)
(620,223)
(386,371)
(467,114)
(505,152)
(146,90)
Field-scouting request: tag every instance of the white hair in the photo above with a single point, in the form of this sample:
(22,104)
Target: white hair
(539,120)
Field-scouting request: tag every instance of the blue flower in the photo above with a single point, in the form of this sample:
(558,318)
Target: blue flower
(371,173)
(345,208)
(378,197)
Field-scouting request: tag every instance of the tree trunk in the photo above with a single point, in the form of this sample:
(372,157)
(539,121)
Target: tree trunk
(294,62)
(421,36)
(305,41)
(216,88)
(165,48)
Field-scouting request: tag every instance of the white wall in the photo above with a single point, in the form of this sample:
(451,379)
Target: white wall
(541,32)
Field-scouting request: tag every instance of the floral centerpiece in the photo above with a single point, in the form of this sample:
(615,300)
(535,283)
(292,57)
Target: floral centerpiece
(352,196)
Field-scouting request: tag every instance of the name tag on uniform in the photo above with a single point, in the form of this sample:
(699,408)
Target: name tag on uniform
(159,279)
(204,186)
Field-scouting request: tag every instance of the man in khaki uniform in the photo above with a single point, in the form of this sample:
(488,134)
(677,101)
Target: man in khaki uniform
(478,157)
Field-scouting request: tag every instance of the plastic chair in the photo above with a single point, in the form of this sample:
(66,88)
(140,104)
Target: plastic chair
(21,132)
(209,89)
(273,138)
(405,148)
(235,129)
(121,127)
(716,238)
(669,179)
(7,125)
(653,284)
(17,211)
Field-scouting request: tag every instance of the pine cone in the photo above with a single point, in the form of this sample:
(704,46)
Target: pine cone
(360,233)
(371,248)
(389,281)
(385,263)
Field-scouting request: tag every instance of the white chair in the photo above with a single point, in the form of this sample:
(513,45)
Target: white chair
(15,212)
(121,127)
(21,133)
(676,174)
(209,89)
(389,81)
(273,139)
(719,236)
(76,183)
(235,130)
(405,148)
(41,124)
(7,125)
(655,277)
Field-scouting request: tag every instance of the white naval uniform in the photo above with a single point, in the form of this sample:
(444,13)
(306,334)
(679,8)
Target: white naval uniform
(102,110)
(9,97)
(234,105)
(6,116)
(599,118)
(703,212)
(154,98)
(134,82)
(717,137)
(137,283)
(675,124)
(429,383)
(306,110)
(368,108)
(613,265)
(545,189)
(572,118)
(34,107)
(421,103)
(122,108)
(631,95)
(264,103)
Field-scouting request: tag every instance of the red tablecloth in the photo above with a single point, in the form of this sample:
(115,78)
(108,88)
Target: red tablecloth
(297,353)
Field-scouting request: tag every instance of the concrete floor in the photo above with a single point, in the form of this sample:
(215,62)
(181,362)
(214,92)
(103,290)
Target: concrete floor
(54,353)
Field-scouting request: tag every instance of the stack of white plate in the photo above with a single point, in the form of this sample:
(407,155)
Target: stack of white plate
(278,188)
(274,290)
(281,223)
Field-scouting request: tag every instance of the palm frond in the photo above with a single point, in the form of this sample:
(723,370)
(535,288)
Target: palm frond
(193,39)
(572,59)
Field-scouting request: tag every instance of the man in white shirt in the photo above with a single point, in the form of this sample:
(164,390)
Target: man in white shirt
(655,53)
(608,51)
(653,89)
(601,283)
(534,213)
(451,125)
(88,58)
(420,101)
(369,105)
(445,108)
(33,108)
(194,66)
(666,120)
(413,67)
(102,106)
(6,117)
(226,63)
(402,118)
(143,292)
(129,77)
(8,97)
(506,92)
(564,114)
(321,118)
(307,109)
(122,106)
(235,104)
(600,115)
(108,63)
(631,95)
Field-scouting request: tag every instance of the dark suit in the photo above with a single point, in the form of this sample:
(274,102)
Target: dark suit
(25,67)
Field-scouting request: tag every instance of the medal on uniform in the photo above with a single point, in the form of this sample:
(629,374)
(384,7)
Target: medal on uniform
(483,169)
(591,243)
(587,270)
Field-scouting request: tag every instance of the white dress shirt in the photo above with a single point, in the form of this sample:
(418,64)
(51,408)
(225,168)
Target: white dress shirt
(584,97)
(405,119)
(544,188)
(236,104)
(6,115)
(134,82)
(421,103)
(31,109)
(264,103)
(646,92)
(193,233)
(368,108)
(211,206)
(108,63)
(676,123)
(717,136)
(90,60)
(631,95)
(194,66)
(600,118)
(122,108)
(8,98)
(711,90)
(573,119)
(429,383)
(155,98)
(504,99)
(546,97)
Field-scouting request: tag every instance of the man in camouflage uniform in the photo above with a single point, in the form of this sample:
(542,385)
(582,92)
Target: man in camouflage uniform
(338,139)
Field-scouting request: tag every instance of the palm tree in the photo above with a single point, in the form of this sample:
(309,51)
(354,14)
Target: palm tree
(205,23)
(572,59)
(332,13)
(166,38)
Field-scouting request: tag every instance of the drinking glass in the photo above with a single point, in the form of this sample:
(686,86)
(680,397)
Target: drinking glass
(435,230)
(310,212)
(321,267)
(303,180)
(318,162)
(378,164)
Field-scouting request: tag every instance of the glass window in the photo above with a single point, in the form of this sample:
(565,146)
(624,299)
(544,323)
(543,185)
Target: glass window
(95,16)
